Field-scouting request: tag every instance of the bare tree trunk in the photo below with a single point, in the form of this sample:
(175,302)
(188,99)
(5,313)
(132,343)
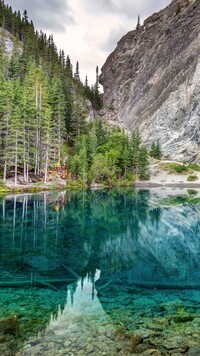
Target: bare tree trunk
(37,129)
(16,158)
(25,177)
(5,164)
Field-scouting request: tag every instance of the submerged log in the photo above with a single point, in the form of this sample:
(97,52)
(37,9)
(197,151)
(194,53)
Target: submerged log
(36,283)
(71,271)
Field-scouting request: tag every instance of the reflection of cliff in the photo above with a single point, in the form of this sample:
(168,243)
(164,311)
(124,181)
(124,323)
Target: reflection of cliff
(167,254)
(55,238)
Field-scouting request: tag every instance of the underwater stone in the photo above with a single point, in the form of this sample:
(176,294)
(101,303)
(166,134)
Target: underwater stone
(183,318)
(9,326)
(2,339)
(194,351)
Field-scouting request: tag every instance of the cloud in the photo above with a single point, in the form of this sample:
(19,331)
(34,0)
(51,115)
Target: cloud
(87,30)
(111,41)
(50,15)
(128,9)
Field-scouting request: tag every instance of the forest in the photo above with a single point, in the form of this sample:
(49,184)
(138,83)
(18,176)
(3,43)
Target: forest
(44,111)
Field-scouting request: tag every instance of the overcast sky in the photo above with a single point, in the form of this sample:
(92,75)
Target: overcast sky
(87,30)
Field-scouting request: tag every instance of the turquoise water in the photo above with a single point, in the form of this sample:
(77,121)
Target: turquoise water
(103,272)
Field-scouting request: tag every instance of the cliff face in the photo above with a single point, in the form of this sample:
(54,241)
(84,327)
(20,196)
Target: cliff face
(10,42)
(152,80)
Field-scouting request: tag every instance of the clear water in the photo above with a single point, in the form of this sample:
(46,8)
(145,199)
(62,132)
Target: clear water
(103,272)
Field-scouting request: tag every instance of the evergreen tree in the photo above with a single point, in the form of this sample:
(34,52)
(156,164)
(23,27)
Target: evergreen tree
(138,23)
(92,146)
(77,74)
(126,157)
(57,102)
(83,161)
(135,146)
(6,99)
(143,164)
(101,132)
(155,150)
(14,144)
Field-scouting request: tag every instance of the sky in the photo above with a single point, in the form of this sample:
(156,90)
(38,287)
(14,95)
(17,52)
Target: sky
(87,30)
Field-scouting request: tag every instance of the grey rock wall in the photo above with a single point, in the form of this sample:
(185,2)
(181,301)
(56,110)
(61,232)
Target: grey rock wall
(152,81)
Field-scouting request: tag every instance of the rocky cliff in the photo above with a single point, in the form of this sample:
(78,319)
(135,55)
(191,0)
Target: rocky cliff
(152,80)
(8,41)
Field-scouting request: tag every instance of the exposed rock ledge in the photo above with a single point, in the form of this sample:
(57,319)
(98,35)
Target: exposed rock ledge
(152,81)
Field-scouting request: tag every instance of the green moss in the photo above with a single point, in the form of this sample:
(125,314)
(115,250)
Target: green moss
(175,168)
(178,8)
(194,201)
(192,178)
(194,167)
(174,200)
(4,190)
(192,192)
(179,200)
(183,316)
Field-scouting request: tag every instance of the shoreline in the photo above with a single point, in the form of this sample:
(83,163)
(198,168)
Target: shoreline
(138,184)
(147,184)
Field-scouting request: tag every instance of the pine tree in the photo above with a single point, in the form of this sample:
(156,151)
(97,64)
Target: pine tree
(101,132)
(135,146)
(155,150)
(138,23)
(77,74)
(143,164)
(83,161)
(92,146)
(14,144)
(57,102)
(6,93)
(126,157)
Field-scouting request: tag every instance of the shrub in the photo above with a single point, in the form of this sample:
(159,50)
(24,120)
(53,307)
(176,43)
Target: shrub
(178,8)
(192,178)
(2,183)
(194,167)
(175,168)
(192,192)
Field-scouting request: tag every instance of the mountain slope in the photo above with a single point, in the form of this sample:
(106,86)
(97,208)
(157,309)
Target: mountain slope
(152,80)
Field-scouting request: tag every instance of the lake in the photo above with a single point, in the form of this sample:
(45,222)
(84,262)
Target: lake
(100,272)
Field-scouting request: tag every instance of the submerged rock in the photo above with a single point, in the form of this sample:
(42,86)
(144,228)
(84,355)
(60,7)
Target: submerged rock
(9,326)
(41,263)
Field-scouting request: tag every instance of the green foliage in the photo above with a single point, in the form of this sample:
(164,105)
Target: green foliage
(104,155)
(174,200)
(155,151)
(100,172)
(135,146)
(194,167)
(192,178)
(143,164)
(175,167)
(179,200)
(2,183)
(192,192)
(178,8)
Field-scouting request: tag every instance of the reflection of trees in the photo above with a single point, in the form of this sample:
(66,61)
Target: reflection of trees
(70,227)
(49,240)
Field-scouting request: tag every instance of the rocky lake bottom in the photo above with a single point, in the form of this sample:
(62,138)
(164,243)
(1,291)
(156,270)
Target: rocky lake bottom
(117,320)
(99,273)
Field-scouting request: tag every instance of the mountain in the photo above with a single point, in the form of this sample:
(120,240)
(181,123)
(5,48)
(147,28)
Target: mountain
(151,80)
(44,106)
